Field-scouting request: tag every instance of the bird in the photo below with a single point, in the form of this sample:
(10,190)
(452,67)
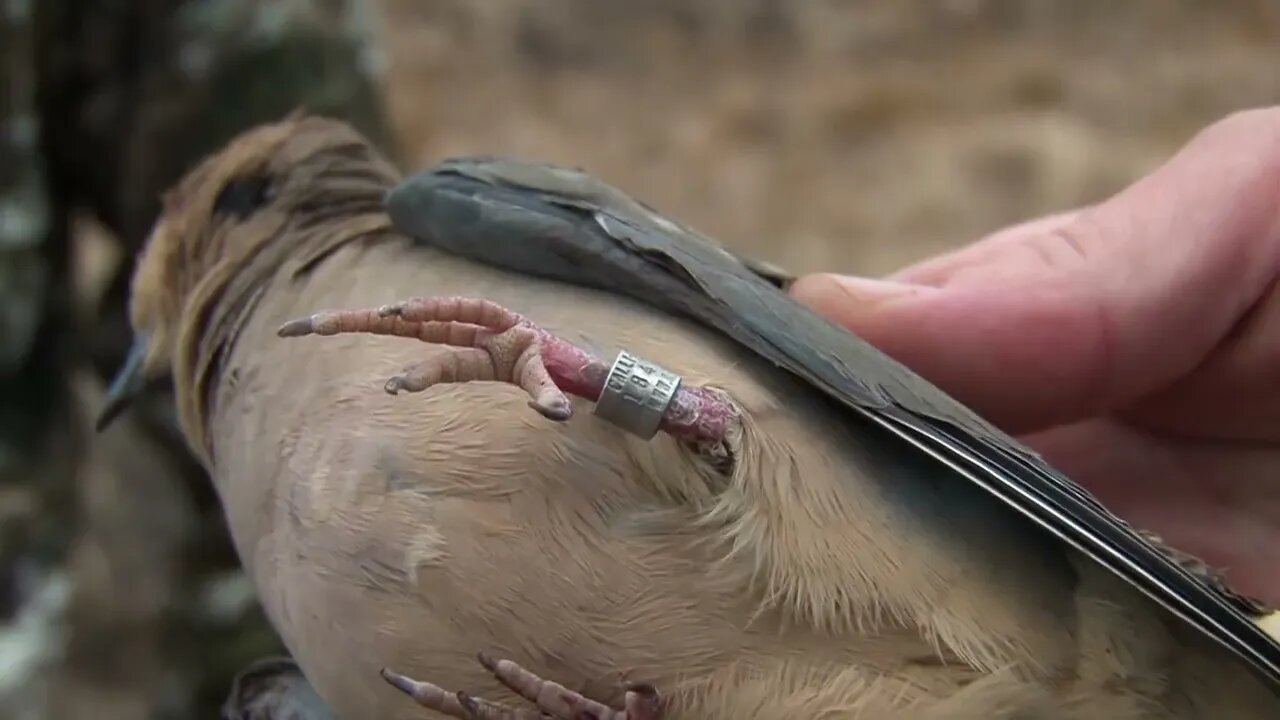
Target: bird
(398,386)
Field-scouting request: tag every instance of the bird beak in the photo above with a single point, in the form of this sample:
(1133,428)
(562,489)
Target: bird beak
(126,386)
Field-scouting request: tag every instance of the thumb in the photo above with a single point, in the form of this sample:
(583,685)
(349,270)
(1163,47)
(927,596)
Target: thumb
(1071,316)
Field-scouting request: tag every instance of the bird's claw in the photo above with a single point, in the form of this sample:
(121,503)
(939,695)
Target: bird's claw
(550,700)
(491,343)
(488,343)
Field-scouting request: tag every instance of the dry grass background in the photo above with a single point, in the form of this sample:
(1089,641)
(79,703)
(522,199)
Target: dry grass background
(825,134)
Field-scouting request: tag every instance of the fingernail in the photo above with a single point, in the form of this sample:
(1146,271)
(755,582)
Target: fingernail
(853,301)
(827,288)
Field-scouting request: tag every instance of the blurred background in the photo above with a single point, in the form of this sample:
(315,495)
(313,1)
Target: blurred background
(847,135)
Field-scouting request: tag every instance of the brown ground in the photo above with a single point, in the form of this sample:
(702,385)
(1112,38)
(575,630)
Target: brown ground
(853,136)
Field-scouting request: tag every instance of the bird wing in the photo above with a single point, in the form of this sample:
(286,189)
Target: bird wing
(563,224)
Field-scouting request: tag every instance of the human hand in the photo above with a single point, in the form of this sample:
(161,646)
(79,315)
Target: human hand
(1134,343)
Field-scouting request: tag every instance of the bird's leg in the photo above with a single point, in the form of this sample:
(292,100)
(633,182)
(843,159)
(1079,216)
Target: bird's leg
(492,343)
(551,700)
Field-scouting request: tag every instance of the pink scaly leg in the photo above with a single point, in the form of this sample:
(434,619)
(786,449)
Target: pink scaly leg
(551,701)
(492,343)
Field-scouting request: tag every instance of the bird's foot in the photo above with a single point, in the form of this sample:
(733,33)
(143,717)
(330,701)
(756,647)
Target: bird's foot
(551,701)
(491,343)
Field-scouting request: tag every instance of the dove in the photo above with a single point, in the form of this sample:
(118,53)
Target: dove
(496,440)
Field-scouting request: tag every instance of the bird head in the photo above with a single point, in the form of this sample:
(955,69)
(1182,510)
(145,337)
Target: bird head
(230,222)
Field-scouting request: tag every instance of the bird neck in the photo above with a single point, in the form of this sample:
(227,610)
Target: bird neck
(228,293)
